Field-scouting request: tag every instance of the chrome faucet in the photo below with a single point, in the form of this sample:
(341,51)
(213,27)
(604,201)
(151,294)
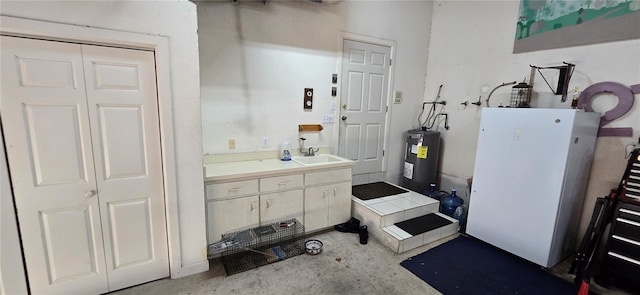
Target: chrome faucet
(307,153)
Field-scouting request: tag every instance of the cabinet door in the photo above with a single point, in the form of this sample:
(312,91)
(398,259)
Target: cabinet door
(339,210)
(327,205)
(281,206)
(229,215)
(315,208)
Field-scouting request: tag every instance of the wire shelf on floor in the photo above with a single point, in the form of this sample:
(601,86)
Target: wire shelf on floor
(254,247)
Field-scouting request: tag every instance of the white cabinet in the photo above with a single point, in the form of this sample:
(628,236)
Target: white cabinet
(281,198)
(327,198)
(231,214)
(317,197)
(339,207)
(230,206)
(281,206)
(234,205)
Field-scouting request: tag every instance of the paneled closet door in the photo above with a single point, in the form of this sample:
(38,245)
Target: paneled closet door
(123,112)
(82,135)
(46,127)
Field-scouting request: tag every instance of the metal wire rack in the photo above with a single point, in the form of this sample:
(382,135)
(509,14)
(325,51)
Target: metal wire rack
(254,247)
(521,95)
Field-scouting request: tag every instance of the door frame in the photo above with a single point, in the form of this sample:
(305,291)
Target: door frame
(20,27)
(376,41)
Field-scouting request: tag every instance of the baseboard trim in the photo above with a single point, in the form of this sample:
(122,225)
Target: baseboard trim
(191,269)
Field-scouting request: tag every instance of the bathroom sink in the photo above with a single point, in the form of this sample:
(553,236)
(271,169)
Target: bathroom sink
(318,159)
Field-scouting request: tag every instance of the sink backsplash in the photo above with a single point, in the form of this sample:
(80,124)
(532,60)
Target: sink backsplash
(235,157)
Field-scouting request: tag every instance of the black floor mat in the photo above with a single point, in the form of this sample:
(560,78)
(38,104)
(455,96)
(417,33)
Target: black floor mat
(422,224)
(375,190)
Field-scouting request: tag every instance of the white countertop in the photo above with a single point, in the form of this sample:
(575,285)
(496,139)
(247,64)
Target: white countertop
(258,168)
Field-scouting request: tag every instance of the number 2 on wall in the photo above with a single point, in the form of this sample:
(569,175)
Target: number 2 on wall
(625,102)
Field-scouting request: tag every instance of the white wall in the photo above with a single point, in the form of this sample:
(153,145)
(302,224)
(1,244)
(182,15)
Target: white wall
(176,20)
(256,60)
(471,45)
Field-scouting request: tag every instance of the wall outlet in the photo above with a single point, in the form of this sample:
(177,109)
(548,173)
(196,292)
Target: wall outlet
(265,142)
(232,144)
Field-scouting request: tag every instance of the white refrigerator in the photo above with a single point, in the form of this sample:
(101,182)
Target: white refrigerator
(529,180)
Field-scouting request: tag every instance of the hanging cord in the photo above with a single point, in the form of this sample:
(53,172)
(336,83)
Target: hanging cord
(420,116)
(430,115)
(433,113)
(432,120)
(432,110)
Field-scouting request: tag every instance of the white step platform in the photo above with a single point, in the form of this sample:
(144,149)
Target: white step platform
(380,216)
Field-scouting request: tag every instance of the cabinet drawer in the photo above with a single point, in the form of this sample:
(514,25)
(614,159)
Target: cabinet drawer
(621,264)
(280,183)
(627,229)
(624,246)
(313,178)
(232,189)
(629,214)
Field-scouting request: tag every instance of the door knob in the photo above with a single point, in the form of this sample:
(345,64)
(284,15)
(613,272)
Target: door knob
(90,193)
(344,118)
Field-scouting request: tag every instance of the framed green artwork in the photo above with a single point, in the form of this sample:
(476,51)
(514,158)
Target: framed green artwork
(547,24)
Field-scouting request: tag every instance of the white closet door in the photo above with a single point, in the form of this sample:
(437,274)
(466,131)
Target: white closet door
(83,143)
(46,127)
(121,90)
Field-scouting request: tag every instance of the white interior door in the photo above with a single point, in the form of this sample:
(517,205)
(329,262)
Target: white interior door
(83,147)
(123,112)
(364,99)
(46,128)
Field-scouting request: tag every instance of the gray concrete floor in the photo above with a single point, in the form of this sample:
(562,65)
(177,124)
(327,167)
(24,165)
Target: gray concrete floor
(344,267)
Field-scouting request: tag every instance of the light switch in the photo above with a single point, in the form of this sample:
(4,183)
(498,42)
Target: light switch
(397,97)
